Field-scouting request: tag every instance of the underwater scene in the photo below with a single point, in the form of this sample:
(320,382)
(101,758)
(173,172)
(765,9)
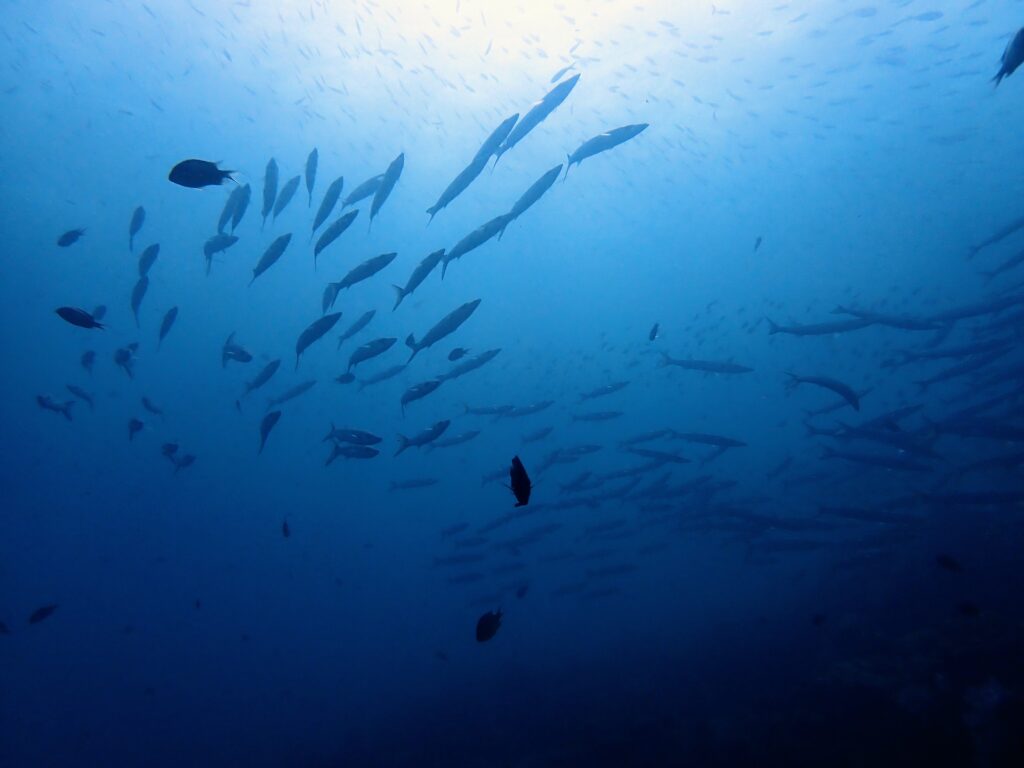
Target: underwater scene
(402,383)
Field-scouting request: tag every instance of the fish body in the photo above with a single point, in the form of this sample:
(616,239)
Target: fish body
(363,191)
(531,196)
(427,436)
(364,271)
(363,321)
(333,232)
(351,436)
(604,391)
(270,256)
(314,331)
(228,211)
(537,113)
(819,329)
(470,364)
(167,323)
(327,204)
(138,294)
(269,188)
(496,139)
(241,206)
(265,374)
(488,624)
(474,240)
(419,391)
(370,350)
(423,269)
(458,186)
(138,219)
(459,439)
(708,366)
(267,424)
(311,163)
(134,427)
(124,358)
(87,360)
(838,387)
(233,351)
(408,485)
(519,482)
(597,416)
(387,373)
(387,183)
(447,325)
(78,317)
(41,614)
(653,334)
(351,452)
(457,354)
(196,174)
(286,195)
(603,142)
(1013,57)
(151,407)
(217,244)
(291,394)
(147,258)
(47,403)
(527,410)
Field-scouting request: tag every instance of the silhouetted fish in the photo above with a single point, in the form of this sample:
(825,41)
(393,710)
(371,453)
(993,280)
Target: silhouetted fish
(603,142)
(327,204)
(78,317)
(138,294)
(41,614)
(271,255)
(487,626)
(138,219)
(1013,57)
(70,237)
(519,482)
(286,195)
(266,425)
(387,183)
(445,326)
(333,232)
(269,188)
(314,331)
(198,173)
(363,321)
(166,324)
(538,112)
(148,258)
(311,163)
(424,268)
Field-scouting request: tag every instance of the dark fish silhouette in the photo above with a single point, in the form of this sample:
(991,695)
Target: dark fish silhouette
(363,321)
(345,378)
(475,239)
(446,325)
(838,387)
(314,331)
(271,255)
(603,142)
(99,312)
(327,204)
(363,191)
(286,195)
(370,350)
(124,358)
(457,354)
(150,406)
(487,625)
(538,112)
(285,530)
(41,614)
(530,196)
(217,244)
(70,237)
(166,324)
(233,351)
(266,425)
(387,183)
(427,436)
(78,317)
(138,219)
(291,394)
(357,274)
(519,482)
(333,232)
(47,403)
(757,243)
(138,294)
(262,377)
(241,206)
(311,163)
(418,392)
(148,258)
(87,360)
(228,211)
(196,174)
(269,188)
(134,427)
(423,269)
(82,395)
(1012,58)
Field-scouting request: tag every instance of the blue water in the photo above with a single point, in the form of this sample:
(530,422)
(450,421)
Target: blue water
(771,605)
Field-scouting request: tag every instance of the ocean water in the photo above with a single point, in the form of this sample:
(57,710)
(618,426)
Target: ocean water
(717,565)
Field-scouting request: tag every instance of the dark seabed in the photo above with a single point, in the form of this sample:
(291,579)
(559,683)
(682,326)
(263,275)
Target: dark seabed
(512,385)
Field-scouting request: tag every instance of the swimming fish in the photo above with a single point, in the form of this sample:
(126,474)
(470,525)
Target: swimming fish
(311,163)
(266,425)
(286,194)
(352,436)
(475,239)
(445,326)
(262,377)
(233,351)
(457,354)
(138,294)
(530,196)
(838,387)
(166,324)
(87,360)
(603,142)
(363,321)
(538,112)
(241,206)
(269,188)
(387,183)
(519,482)
(333,232)
(1013,57)
(291,394)
(314,331)
(488,624)
(357,274)
(327,204)
(370,350)
(653,332)
(124,358)
(138,218)
(423,269)
(418,392)
(217,244)
(47,403)
(271,255)
(70,237)
(427,436)
(134,427)
(147,258)
(78,317)
(41,614)
(196,174)
(363,191)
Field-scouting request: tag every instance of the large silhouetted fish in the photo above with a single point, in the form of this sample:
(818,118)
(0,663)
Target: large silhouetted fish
(487,626)
(519,482)
(603,142)
(196,174)
(1012,58)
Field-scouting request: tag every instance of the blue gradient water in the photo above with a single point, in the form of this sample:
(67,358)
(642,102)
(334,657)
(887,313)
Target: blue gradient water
(723,623)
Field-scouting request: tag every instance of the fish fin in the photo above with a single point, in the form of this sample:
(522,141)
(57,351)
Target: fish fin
(568,165)
(773,327)
(403,443)
(400,295)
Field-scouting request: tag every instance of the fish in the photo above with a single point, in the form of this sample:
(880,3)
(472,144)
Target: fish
(166,324)
(663,457)
(818,329)
(197,174)
(87,360)
(351,452)
(286,194)
(241,206)
(1013,57)
(291,394)
(445,326)
(419,391)
(487,410)
(370,350)
(169,449)
(474,240)
(706,439)
(526,410)
(425,437)
(311,162)
(757,243)
(271,255)
(217,244)
(269,188)
(519,482)
(138,294)
(47,403)
(607,389)
(387,183)
(495,139)
(876,460)
(458,186)
(151,407)
(99,312)
(81,394)
(377,378)
(228,211)
(70,237)
(361,272)
(893,321)
(286,531)
(41,614)
(708,366)
(530,196)
(838,387)
(345,378)
(451,442)
(267,424)
(603,142)
(333,232)
(135,225)
(265,374)
(124,358)
(233,351)
(147,258)
(351,436)
(134,427)
(183,462)
(470,364)
(77,317)
(314,331)
(363,191)
(653,334)
(363,321)
(537,113)
(487,626)
(596,416)
(457,354)
(408,485)
(423,269)
(327,204)
(538,435)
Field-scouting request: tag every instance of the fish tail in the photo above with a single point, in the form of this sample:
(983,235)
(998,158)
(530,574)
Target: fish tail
(773,327)
(329,434)
(444,268)
(399,295)
(403,443)
(568,165)
(297,362)
(432,210)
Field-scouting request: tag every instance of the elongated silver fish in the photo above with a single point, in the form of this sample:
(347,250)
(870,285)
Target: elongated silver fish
(361,272)
(538,112)
(603,142)
(387,183)
(314,331)
(311,163)
(423,269)
(333,232)
(286,195)
(327,204)
(269,188)
(370,350)
(445,326)
(271,255)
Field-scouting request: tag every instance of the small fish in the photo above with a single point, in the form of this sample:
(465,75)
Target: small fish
(327,204)
(353,436)
(150,406)
(148,258)
(519,482)
(241,206)
(228,212)
(418,392)
(314,331)
(363,191)
(370,350)
(78,317)
(183,463)
(124,358)
(423,269)
(169,449)
(166,324)
(708,366)
(530,196)
(196,174)
(427,436)
(291,394)
(270,256)
(345,378)
(47,403)
(82,395)
(387,183)
(537,113)
(757,243)
(217,244)
(409,485)
(357,326)
(333,232)
(134,427)
(1013,57)
(475,239)
(357,274)
(266,425)
(233,351)
(487,626)
(285,530)
(445,326)
(87,360)
(41,614)
(311,163)
(70,237)
(135,225)
(457,354)
(286,194)
(262,377)
(351,452)
(138,294)
(603,142)
(269,188)
(838,387)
